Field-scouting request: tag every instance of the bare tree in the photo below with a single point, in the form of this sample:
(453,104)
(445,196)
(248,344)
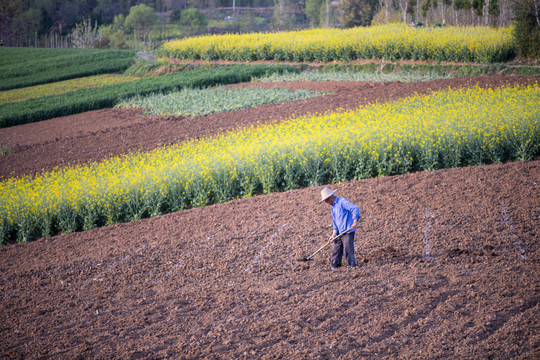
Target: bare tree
(85,36)
(404,6)
(387,5)
(505,16)
(282,19)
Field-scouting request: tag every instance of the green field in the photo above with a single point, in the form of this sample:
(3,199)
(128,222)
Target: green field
(21,67)
(37,109)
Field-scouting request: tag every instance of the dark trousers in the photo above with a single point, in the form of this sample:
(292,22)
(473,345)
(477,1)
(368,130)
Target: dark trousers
(343,247)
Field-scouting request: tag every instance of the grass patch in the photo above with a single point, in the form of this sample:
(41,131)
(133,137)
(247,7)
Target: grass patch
(424,71)
(522,70)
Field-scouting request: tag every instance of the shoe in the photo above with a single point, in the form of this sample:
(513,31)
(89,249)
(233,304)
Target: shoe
(333,267)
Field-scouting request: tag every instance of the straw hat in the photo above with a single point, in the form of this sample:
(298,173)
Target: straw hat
(326,193)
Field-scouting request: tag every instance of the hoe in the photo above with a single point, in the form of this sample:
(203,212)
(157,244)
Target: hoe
(310,257)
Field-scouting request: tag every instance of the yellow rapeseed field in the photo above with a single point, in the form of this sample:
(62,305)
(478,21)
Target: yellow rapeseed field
(445,129)
(389,41)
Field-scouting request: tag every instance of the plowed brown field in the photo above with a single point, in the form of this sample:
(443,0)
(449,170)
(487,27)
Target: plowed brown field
(449,259)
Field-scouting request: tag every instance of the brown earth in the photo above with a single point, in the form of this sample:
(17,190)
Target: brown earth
(449,259)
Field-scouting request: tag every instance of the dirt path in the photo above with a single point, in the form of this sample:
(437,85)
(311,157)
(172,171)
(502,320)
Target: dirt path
(95,135)
(449,260)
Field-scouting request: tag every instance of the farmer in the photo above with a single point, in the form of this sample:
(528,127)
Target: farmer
(345,215)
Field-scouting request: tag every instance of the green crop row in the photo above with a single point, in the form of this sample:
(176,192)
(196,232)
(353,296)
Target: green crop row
(445,129)
(436,70)
(21,67)
(349,75)
(33,110)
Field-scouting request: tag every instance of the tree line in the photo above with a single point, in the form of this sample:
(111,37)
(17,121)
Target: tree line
(146,23)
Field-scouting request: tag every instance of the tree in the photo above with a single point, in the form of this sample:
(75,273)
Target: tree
(529,9)
(106,10)
(119,22)
(175,15)
(313,11)
(283,18)
(461,7)
(494,8)
(404,8)
(11,8)
(527,27)
(85,36)
(387,5)
(140,19)
(247,22)
(327,13)
(112,37)
(437,8)
(193,21)
(29,22)
(358,12)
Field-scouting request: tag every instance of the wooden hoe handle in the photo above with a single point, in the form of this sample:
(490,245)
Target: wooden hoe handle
(328,243)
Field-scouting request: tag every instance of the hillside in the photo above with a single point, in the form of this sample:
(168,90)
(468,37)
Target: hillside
(449,259)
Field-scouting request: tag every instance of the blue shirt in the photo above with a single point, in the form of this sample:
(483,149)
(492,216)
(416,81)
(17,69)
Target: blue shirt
(343,214)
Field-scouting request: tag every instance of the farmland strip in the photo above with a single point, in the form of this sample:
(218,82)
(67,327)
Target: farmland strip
(390,42)
(446,129)
(23,67)
(74,102)
(61,87)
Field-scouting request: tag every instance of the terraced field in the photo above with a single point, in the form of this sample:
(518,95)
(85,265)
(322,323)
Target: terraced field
(449,259)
